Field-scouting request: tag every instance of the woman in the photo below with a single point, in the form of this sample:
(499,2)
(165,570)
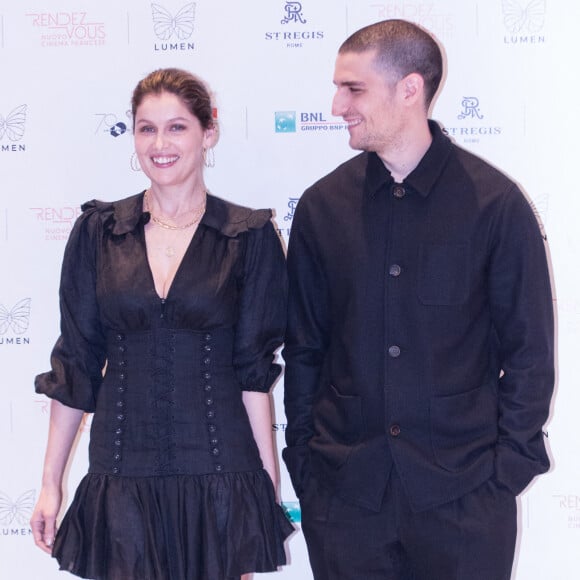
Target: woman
(178,299)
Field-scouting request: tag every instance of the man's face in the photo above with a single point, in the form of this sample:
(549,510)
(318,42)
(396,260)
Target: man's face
(368,101)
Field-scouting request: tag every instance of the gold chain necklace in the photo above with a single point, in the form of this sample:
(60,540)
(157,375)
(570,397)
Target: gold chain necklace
(199,211)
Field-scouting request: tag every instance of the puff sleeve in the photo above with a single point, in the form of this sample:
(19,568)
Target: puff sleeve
(262,309)
(78,356)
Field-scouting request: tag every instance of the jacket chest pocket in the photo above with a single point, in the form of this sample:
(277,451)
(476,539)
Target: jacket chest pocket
(443,274)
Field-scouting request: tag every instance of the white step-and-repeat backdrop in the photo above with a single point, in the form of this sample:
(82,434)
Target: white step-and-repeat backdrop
(67,69)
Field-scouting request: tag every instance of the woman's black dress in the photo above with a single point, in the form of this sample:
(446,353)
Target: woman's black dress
(175,489)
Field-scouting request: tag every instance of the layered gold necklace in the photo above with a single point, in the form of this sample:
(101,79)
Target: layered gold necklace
(197,214)
(170,249)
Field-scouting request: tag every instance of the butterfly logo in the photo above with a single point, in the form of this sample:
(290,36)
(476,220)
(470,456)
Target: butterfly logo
(16,319)
(13,124)
(165,25)
(518,16)
(18,511)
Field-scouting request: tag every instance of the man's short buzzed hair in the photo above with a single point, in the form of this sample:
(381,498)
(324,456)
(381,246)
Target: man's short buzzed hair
(402,48)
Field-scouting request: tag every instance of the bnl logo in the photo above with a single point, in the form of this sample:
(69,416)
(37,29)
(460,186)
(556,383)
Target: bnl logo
(470,109)
(285,121)
(293,13)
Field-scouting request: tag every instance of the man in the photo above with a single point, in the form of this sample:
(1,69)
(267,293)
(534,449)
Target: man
(419,354)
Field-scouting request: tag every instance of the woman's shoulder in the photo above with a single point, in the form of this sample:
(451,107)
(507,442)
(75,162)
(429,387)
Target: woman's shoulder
(120,216)
(232,219)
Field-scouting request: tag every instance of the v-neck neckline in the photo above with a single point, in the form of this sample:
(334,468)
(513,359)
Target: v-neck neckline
(180,266)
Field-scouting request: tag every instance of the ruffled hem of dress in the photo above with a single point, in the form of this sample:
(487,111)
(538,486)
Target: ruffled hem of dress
(176,527)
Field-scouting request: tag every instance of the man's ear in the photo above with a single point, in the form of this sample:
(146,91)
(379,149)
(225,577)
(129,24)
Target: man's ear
(413,88)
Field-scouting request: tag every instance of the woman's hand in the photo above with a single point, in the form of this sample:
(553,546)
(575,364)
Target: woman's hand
(64,425)
(43,520)
(258,407)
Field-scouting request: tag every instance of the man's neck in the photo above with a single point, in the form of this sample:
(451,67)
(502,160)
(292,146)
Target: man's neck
(413,145)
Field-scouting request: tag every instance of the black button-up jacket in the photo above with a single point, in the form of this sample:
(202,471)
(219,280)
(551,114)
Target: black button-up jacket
(420,330)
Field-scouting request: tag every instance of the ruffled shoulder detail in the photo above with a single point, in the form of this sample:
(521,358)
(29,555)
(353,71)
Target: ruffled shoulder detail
(123,216)
(118,217)
(231,219)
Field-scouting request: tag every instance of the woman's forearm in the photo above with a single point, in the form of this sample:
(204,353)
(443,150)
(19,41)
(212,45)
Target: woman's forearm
(258,407)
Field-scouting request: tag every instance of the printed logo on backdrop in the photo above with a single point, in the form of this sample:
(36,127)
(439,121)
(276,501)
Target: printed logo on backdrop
(292,511)
(285,121)
(284,232)
(12,127)
(470,109)
(474,125)
(524,21)
(14,322)
(15,513)
(173,27)
(295,30)
(113,125)
(63,28)
(43,404)
(293,13)
(55,222)
(434,18)
(568,315)
(305,121)
(568,505)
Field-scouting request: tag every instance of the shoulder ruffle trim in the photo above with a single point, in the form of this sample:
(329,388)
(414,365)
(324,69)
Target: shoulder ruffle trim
(119,217)
(231,219)
(122,217)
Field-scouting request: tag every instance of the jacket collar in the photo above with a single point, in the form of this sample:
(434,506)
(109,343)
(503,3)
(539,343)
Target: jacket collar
(424,177)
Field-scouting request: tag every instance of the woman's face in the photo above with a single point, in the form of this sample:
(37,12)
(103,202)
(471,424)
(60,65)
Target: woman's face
(169,141)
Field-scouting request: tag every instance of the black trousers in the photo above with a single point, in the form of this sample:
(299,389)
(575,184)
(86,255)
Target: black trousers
(472,538)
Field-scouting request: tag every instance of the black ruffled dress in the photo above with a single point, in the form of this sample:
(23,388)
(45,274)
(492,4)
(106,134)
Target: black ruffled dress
(175,489)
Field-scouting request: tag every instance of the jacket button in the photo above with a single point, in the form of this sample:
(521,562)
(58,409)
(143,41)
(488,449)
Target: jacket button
(394,351)
(395,430)
(399,191)
(394,270)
